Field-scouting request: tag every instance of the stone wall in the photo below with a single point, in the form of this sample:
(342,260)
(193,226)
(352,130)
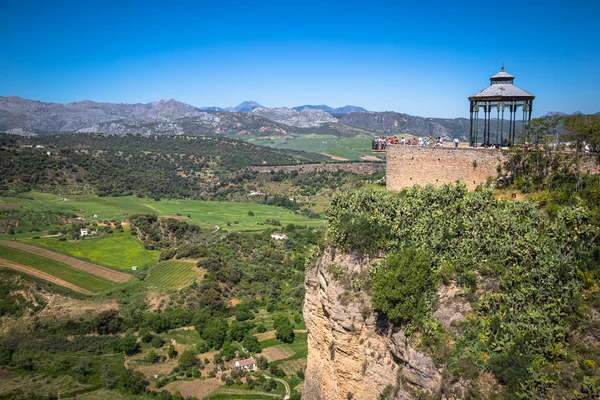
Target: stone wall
(410,165)
(359,167)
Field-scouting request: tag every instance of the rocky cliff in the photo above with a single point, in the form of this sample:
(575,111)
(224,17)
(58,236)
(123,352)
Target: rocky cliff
(351,352)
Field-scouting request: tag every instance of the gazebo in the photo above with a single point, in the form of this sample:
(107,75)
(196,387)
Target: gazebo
(501,94)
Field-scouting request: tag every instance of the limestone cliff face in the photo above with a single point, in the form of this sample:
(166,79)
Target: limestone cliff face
(350,350)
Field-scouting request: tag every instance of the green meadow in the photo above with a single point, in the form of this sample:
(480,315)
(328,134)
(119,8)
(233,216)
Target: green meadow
(206,214)
(62,271)
(117,250)
(348,148)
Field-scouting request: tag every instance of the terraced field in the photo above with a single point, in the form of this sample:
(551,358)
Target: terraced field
(172,275)
(53,271)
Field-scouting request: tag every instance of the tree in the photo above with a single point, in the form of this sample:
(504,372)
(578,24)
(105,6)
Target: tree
(285,331)
(134,381)
(187,360)
(242,312)
(171,352)
(215,333)
(252,344)
(157,342)
(262,363)
(401,290)
(128,345)
(108,322)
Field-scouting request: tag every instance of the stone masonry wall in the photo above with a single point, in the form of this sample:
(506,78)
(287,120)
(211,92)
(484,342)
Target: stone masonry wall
(410,165)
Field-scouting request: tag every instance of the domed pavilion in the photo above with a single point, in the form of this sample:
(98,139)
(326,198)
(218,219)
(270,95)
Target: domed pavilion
(501,95)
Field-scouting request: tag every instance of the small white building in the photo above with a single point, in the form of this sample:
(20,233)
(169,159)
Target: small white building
(248,364)
(84,232)
(134,268)
(279,236)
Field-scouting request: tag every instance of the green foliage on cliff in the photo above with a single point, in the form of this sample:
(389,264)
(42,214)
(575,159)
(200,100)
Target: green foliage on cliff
(403,290)
(524,270)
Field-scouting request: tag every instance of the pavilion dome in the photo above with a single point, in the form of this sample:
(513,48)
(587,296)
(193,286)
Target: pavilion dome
(502,88)
(502,76)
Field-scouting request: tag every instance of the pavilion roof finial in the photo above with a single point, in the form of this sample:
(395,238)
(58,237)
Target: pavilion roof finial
(502,67)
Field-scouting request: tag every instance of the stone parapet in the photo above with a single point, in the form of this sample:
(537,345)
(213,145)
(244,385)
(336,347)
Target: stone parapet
(410,165)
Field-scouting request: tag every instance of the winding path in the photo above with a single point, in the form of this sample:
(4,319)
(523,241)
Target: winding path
(287,386)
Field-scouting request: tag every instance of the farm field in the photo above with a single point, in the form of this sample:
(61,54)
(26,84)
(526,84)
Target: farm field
(87,267)
(343,148)
(291,367)
(79,278)
(205,214)
(172,275)
(117,250)
(284,352)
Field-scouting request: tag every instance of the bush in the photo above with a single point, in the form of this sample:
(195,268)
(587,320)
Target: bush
(128,345)
(152,357)
(402,289)
(187,360)
(157,342)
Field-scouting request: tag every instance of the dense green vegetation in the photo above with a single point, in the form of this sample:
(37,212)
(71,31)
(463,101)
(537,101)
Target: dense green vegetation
(113,165)
(532,265)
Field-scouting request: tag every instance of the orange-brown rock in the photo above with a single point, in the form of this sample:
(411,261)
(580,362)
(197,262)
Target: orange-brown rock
(350,349)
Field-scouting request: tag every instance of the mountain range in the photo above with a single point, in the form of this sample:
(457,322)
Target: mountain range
(172,117)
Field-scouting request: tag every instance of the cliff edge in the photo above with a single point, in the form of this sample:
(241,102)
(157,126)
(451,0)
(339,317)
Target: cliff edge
(351,353)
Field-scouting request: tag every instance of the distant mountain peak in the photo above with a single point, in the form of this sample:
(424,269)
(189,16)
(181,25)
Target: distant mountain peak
(247,106)
(323,107)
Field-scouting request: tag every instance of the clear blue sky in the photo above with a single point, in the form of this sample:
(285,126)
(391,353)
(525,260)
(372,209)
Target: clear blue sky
(419,57)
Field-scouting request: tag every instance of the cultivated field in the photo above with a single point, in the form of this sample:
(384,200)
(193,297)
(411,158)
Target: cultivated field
(206,214)
(291,367)
(278,352)
(94,269)
(338,148)
(59,272)
(172,275)
(117,250)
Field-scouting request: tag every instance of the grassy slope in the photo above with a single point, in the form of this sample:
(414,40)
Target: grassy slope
(203,213)
(57,269)
(117,250)
(171,275)
(349,148)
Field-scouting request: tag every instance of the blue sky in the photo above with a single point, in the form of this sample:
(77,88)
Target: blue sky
(423,58)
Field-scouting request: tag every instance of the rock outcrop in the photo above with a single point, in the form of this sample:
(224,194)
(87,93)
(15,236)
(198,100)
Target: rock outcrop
(307,118)
(350,349)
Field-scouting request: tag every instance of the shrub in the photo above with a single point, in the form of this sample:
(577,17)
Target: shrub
(157,342)
(402,290)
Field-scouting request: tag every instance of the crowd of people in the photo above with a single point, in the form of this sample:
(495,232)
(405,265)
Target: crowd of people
(382,142)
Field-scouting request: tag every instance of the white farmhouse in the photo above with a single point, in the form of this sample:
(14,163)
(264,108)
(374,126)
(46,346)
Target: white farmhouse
(279,236)
(248,364)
